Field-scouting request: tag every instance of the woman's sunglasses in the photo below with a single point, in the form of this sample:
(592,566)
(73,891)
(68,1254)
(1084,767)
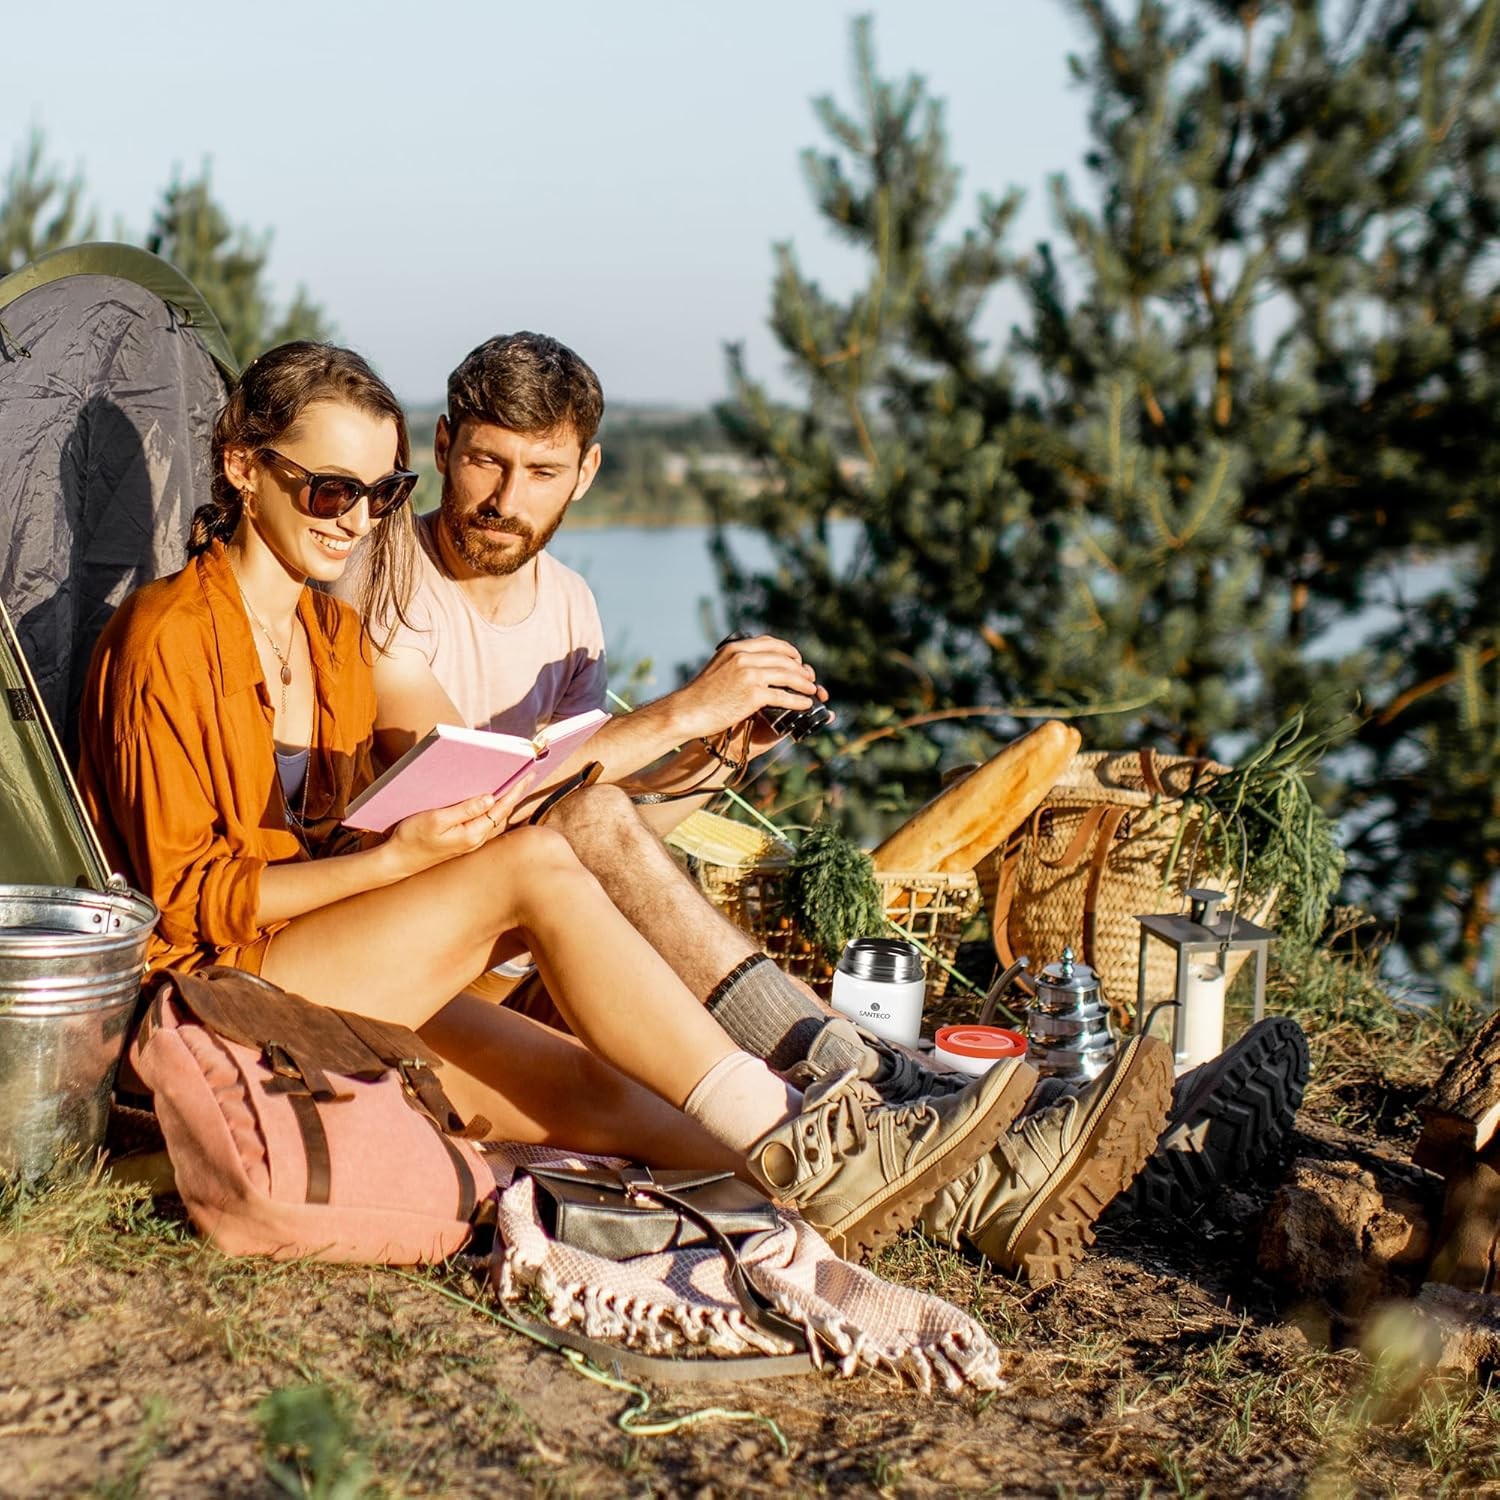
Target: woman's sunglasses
(329,496)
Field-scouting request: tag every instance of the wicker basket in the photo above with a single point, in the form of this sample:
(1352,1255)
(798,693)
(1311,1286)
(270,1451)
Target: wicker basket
(932,908)
(1092,858)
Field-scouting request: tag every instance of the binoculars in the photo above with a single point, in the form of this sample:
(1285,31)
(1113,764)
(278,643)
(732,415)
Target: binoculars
(795,722)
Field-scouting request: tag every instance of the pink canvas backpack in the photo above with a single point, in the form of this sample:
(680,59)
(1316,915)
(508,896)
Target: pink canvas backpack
(298,1131)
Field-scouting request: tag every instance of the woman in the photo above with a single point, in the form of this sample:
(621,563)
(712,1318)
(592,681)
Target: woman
(227,723)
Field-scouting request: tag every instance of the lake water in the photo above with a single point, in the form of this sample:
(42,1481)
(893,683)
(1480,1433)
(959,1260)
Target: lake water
(658,594)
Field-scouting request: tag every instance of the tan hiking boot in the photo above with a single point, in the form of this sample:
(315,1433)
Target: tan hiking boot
(1030,1206)
(859,1170)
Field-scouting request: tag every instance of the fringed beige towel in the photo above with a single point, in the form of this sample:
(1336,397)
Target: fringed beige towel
(657,1303)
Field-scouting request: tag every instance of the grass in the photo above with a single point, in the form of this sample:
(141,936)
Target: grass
(1162,1368)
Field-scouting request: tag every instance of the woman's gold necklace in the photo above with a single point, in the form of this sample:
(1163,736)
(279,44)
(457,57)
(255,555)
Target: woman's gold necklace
(297,816)
(281,656)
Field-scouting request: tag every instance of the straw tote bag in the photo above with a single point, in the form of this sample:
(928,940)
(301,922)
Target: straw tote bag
(1094,856)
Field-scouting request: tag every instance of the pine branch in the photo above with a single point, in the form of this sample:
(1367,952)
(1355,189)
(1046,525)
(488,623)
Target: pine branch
(1099,710)
(1403,701)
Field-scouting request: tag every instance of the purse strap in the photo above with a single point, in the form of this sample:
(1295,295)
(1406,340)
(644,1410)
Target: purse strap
(754,1304)
(664,1369)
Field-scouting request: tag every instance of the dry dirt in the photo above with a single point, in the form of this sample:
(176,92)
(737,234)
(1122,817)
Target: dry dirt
(133,1361)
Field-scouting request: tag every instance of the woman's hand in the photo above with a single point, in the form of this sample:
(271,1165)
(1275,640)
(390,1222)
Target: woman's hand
(426,839)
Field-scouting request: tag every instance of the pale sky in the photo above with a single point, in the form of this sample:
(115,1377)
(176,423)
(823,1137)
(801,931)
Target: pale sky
(613,174)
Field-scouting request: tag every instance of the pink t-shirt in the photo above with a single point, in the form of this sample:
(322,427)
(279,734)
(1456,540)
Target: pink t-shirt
(510,678)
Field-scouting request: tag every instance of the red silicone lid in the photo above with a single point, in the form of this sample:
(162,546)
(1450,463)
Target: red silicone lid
(980,1041)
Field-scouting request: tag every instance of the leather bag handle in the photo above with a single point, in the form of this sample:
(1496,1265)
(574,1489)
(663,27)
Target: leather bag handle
(754,1304)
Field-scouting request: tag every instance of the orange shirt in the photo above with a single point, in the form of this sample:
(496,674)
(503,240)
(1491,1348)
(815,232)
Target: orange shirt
(177,761)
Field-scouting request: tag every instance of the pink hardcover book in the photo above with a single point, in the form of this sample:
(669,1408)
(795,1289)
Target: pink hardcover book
(450,765)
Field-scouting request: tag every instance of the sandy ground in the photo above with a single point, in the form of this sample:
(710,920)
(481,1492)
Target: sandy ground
(134,1361)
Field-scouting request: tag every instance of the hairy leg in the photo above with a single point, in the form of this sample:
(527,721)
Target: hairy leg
(536,1085)
(650,887)
(402,952)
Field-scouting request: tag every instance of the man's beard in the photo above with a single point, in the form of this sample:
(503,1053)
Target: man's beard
(472,539)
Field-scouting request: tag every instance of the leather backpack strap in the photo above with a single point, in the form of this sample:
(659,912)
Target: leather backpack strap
(403,1052)
(309,1120)
(293,1073)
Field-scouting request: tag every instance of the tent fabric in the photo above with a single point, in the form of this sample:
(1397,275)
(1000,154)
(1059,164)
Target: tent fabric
(45,835)
(111,370)
(129,263)
(107,399)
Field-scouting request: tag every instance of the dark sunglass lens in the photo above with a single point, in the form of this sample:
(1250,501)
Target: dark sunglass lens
(330,496)
(390,493)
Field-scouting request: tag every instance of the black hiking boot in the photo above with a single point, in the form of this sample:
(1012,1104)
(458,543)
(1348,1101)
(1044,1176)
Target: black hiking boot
(1231,1118)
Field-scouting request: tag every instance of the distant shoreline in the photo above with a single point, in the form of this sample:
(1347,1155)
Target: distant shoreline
(581,518)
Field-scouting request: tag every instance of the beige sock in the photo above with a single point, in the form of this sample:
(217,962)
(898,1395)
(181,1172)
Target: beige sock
(739,1099)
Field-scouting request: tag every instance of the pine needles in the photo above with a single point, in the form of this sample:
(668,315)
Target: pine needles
(1261,817)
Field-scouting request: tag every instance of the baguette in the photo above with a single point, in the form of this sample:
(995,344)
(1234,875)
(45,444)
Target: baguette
(961,825)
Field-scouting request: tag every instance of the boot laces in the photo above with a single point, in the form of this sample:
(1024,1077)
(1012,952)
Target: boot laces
(1038,1138)
(843,1108)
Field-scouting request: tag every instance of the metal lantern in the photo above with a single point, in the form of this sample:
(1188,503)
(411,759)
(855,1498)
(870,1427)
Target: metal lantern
(1202,940)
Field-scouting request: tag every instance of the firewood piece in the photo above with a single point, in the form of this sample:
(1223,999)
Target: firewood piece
(975,815)
(1465,1328)
(1468,1241)
(1352,1234)
(1461,1110)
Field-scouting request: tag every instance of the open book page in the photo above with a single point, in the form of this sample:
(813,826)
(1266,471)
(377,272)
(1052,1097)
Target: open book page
(450,764)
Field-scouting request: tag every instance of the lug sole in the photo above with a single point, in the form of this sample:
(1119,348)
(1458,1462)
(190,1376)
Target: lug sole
(1060,1227)
(1233,1131)
(900,1206)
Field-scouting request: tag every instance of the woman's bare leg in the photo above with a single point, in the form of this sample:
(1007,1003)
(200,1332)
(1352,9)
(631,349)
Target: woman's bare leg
(402,952)
(536,1085)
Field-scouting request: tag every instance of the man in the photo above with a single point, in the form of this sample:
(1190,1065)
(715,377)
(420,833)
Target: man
(501,635)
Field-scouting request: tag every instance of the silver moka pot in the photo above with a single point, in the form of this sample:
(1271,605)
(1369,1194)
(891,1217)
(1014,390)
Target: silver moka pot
(1068,1023)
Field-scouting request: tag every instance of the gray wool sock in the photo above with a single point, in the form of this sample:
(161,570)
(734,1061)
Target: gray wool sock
(768,1015)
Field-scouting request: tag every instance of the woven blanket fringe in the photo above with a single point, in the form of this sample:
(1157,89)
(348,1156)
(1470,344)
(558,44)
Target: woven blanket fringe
(643,1304)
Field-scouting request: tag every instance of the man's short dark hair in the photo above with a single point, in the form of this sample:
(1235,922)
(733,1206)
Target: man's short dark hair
(528,383)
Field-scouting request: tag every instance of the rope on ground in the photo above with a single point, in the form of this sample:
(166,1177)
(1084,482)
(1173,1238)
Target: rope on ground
(629,1421)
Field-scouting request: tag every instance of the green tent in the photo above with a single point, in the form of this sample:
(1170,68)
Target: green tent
(112,368)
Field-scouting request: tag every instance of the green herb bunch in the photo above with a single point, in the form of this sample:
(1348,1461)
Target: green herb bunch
(1261,817)
(831,893)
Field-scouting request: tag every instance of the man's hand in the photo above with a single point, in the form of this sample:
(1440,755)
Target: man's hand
(741,678)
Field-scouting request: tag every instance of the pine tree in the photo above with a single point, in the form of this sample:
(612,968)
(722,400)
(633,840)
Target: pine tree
(904,430)
(228,266)
(40,208)
(1260,376)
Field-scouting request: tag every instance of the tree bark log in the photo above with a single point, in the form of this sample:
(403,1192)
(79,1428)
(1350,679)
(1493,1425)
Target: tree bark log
(1460,1111)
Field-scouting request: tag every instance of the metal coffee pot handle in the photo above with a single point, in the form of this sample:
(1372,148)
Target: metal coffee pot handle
(999,987)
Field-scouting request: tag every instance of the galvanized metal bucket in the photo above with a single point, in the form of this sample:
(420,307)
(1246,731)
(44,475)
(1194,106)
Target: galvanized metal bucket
(70,975)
